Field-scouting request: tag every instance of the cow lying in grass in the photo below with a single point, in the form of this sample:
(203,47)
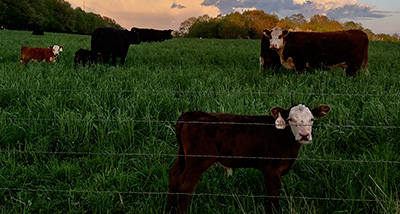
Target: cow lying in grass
(266,143)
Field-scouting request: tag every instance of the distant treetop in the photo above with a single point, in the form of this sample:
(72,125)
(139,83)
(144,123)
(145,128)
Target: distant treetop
(250,24)
(50,15)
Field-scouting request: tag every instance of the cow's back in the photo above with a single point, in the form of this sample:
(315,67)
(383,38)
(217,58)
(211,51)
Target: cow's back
(33,53)
(326,48)
(232,135)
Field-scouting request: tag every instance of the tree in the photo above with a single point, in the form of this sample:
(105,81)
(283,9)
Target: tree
(233,26)
(322,23)
(50,15)
(352,25)
(258,21)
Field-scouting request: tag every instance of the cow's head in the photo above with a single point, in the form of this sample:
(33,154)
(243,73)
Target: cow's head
(134,37)
(56,49)
(300,119)
(276,37)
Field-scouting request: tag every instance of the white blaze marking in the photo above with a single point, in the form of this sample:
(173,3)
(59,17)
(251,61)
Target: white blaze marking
(300,121)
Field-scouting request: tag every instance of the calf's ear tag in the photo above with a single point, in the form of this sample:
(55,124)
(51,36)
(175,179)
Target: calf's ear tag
(280,122)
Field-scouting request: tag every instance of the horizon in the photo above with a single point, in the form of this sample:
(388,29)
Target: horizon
(378,16)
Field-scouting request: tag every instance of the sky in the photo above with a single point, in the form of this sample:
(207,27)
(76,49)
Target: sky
(381,16)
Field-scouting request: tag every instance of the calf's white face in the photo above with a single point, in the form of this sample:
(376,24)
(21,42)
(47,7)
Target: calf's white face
(300,119)
(276,38)
(56,49)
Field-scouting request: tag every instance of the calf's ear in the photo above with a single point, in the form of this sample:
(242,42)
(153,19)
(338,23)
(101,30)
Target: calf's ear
(276,110)
(267,33)
(279,114)
(285,33)
(321,111)
(280,122)
(61,48)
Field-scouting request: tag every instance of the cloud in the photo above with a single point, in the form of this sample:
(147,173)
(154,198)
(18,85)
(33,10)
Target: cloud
(179,6)
(332,8)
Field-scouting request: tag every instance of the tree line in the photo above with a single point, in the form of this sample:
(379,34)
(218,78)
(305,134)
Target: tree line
(250,24)
(50,15)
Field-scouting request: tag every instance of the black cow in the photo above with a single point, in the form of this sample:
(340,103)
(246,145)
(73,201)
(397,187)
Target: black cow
(299,50)
(38,32)
(268,58)
(113,43)
(152,35)
(83,56)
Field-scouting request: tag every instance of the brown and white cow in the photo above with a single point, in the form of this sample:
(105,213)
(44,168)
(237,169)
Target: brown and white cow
(268,58)
(268,143)
(299,50)
(40,54)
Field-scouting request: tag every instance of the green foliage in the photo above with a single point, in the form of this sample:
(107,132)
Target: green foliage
(50,15)
(252,23)
(101,133)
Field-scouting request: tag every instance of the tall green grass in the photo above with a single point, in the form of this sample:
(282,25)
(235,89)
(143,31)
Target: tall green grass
(94,139)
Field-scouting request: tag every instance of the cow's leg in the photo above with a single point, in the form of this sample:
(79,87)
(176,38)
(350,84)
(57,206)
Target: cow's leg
(113,60)
(195,167)
(173,188)
(352,70)
(106,58)
(261,64)
(272,181)
(299,70)
(122,60)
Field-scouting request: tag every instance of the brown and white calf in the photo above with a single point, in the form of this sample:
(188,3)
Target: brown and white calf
(299,50)
(268,143)
(40,54)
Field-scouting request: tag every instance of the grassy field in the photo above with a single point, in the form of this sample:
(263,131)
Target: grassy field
(101,139)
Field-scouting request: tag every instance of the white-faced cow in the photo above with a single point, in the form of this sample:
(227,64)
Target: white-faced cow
(113,43)
(268,58)
(268,143)
(299,50)
(40,54)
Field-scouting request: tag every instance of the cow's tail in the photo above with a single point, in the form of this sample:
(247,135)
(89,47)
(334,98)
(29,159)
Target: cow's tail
(365,62)
(181,152)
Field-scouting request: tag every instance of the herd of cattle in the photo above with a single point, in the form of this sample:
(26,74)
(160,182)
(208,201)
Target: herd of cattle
(106,43)
(236,141)
(292,50)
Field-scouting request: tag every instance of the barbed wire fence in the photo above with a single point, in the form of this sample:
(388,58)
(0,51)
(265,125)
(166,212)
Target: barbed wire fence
(82,90)
(149,155)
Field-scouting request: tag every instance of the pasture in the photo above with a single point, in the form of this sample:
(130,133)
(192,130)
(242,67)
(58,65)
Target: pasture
(100,139)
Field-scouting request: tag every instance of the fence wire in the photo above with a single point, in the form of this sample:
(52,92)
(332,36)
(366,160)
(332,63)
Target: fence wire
(200,92)
(150,155)
(193,122)
(192,194)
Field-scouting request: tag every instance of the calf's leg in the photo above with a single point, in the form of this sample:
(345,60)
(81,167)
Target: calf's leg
(195,167)
(272,181)
(173,189)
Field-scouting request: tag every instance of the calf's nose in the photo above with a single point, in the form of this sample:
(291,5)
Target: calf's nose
(304,136)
